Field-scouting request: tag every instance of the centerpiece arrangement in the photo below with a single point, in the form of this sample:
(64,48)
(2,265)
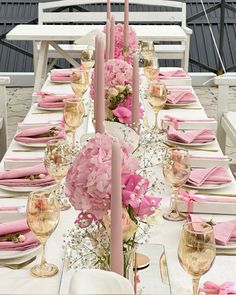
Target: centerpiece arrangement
(88,187)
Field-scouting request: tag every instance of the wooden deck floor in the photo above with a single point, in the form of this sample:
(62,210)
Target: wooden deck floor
(19,101)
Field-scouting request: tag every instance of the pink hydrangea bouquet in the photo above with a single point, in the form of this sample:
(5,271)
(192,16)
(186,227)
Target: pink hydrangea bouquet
(88,187)
(119,42)
(118,80)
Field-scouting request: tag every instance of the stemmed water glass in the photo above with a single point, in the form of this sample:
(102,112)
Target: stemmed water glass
(79,82)
(42,217)
(73,116)
(176,170)
(157,96)
(88,58)
(151,67)
(196,250)
(57,161)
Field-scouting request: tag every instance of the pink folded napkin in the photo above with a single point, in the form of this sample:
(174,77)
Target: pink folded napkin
(21,177)
(40,134)
(173,73)
(61,75)
(181,97)
(224,232)
(214,175)
(53,100)
(17,227)
(223,289)
(191,136)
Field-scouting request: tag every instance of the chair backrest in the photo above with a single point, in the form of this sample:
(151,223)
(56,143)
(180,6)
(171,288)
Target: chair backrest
(176,15)
(223,82)
(3,115)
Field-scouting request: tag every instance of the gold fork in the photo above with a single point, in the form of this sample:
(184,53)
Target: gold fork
(18,265)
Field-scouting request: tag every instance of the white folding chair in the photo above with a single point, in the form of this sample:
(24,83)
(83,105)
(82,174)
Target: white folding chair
(165,51)
(226,118)
(3,115)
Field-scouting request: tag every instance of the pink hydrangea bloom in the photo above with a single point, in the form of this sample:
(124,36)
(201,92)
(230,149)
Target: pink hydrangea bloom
(124,111)
(116,72)
(88,181)
(134,194)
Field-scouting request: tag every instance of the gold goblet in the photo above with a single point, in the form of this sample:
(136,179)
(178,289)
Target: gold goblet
(146,49)
(88,58)
(79,82)
(196,250)
(73,116)
(176,170)
(57,161)
(42,217)
(157,96)
(151,67)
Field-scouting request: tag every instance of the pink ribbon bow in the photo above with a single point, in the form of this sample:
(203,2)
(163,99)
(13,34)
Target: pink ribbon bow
(174,120)
(225,288)
(190,198)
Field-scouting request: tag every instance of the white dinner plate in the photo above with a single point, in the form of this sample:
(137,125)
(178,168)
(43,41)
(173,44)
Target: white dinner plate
(191,144)
(180,104)
(231,245)
(25,189)
(49,109)
(17,254)
(60,82)
(43,144)
(208,186)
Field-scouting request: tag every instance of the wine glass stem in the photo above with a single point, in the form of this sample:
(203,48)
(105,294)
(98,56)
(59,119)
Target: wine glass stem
(156,121)
(73,138)
(174,206)
(195,285)
(43,259)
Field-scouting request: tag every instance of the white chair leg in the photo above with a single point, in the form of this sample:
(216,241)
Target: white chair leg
(221,137)
(186,54)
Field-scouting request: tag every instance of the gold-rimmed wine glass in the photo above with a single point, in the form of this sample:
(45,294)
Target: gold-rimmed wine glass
(157,96)
(88,58)
(73,115)
(79,82)
(146,49)
(42,217)
(151,67)
(196,251)
(176,170)
(57,161)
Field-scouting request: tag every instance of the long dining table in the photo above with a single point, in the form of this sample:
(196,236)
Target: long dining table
(163,232)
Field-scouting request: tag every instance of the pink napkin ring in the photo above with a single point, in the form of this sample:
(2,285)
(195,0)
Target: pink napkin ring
(223,289)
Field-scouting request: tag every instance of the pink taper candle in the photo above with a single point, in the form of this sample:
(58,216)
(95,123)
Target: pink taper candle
(112,38)
(126,25)
(108,9)
(95,78)
(108,38)
(117,264)
(135,92)
(100,104)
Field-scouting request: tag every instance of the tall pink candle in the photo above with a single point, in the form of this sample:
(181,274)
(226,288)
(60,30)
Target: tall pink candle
(126,24)
(108,40)
(116,264)
(100,105)
(108,9)
(135,92)
(95,78)
(112,39)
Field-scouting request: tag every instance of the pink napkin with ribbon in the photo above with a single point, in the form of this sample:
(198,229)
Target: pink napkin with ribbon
(213,175)
(40,134)
(61,75)
(53,100)
(223,289)
(20,177)
(173,73)
(17,227)
(183,97)
(190,136)
(224,232)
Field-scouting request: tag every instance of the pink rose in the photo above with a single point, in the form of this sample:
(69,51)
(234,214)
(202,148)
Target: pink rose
(129,227)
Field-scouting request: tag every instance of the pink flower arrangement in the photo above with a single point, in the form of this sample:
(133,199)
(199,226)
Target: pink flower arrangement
(88,183)
(116,72)
(123,111)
